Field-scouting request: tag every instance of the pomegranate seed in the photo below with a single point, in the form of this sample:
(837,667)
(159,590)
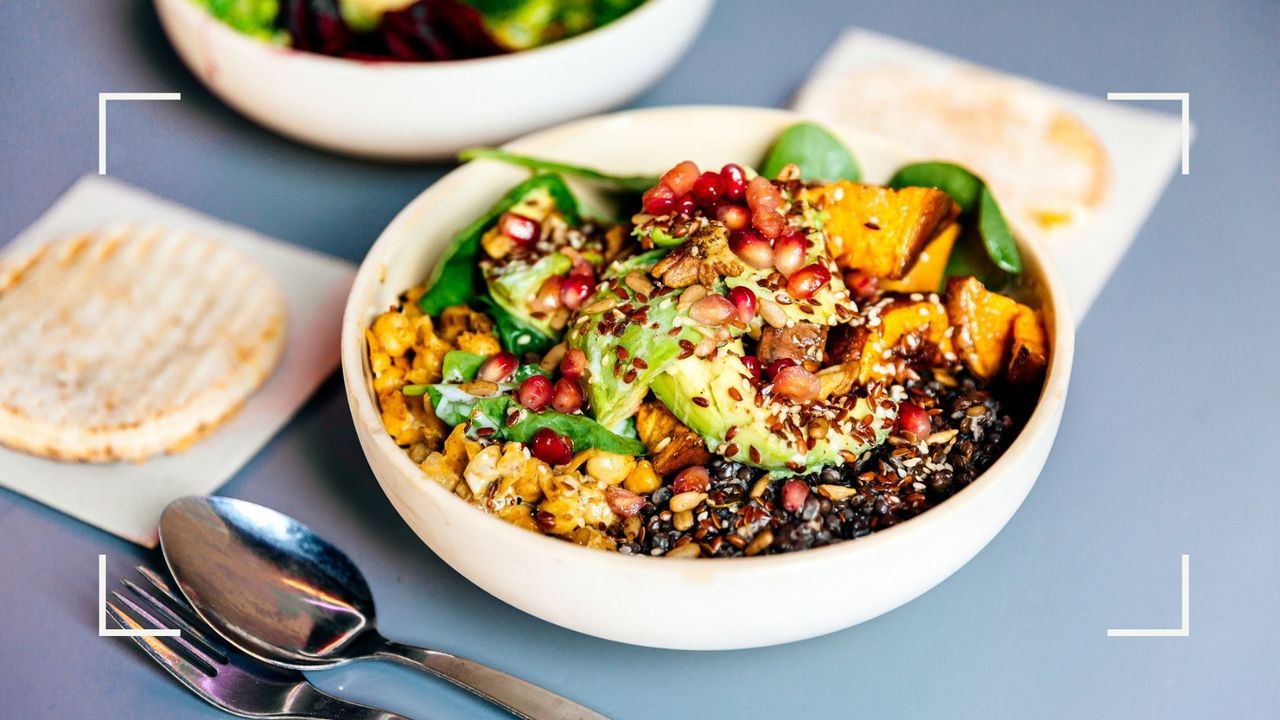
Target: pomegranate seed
(797,384)
(794,493)
(525,231)
(681,177)
(808,280)
(535,392)
(575,289)
(762,195)
(548,298)
(734,217)
(498,367)
(769,223)
(914,420)
(685,204)
(752,364)
(744,302)
(734,181)
(551,447)
(623,502)
(708,189)
(659,200)
(778,366)
(752,248)
(712,310)
(861,284)
(574,362)
(566,396)
(789,252)
(694,478)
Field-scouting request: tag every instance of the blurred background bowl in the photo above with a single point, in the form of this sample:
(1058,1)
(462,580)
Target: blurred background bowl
(430,110)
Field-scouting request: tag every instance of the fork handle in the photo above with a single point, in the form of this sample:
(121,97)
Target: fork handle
(313,704)
(523,699)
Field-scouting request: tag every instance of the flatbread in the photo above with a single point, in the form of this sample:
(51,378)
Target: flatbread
(1042,162)
(125,343)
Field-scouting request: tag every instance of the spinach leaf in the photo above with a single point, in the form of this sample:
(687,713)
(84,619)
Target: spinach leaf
(454,407)
(515,335)
(524,372)
(962,185)
(977,204)
(622,183)
(996,235)
(460,366)
(455,279)
(820,155)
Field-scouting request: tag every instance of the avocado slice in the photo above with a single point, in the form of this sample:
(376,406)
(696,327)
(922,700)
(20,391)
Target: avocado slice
(703,394)
(517,282)
(613,341)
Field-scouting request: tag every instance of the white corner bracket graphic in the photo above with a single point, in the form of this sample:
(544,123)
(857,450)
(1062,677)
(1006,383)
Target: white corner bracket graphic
(103,630)
(1184,630)
(102,118)
(1185,98)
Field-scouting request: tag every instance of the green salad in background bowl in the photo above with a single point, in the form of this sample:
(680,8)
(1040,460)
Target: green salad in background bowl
(416,30)
(422,79)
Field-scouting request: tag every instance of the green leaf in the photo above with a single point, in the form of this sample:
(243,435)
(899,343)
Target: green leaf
(996,236)
(820,155)
(415,390)
(459,366)
(516,336)
(455,279)
(978,207)
(623,183)
(455,407)
(524,372)
(582,430)
(962,185)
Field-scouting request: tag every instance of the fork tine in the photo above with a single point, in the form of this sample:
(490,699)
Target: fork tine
(180,667)
(179,643)
(174,617)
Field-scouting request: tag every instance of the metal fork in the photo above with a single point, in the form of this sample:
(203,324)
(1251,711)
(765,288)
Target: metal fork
(223,677)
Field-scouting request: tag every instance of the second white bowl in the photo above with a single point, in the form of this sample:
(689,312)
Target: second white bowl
(430,110)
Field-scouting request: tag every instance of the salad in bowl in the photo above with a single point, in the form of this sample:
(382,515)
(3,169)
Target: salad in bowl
(752,358)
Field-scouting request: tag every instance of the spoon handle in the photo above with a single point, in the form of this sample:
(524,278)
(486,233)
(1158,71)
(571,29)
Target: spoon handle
(522,699)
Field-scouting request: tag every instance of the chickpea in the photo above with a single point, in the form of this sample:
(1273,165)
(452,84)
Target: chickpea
(610,468)
(394,333)
(642,480)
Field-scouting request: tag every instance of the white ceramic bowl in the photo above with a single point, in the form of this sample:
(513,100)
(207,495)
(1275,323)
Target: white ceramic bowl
(429,110)
(737,602)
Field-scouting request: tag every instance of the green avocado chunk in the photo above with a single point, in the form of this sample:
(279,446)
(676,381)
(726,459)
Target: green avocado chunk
(613,340)
(702,393)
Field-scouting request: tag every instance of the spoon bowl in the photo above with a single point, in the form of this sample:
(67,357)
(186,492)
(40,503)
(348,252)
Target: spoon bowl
(273,588)
(265,581)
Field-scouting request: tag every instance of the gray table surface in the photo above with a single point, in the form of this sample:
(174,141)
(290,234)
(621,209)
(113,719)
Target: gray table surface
(1163,449)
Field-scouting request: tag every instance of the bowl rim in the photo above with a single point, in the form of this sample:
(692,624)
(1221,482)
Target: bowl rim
(596,35)
(1043,418)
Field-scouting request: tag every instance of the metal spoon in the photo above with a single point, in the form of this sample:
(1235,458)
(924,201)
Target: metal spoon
(282,594)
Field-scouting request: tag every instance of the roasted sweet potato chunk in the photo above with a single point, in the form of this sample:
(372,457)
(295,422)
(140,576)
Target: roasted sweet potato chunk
(993,332)
(926,274)
(672,445)
(1030,353)
(901,332)
(879,230)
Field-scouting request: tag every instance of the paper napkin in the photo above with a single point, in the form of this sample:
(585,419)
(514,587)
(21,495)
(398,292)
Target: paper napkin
(1145,149)
(127,498)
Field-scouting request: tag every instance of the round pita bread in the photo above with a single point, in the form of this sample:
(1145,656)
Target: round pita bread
(126,343)
(1042,162)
